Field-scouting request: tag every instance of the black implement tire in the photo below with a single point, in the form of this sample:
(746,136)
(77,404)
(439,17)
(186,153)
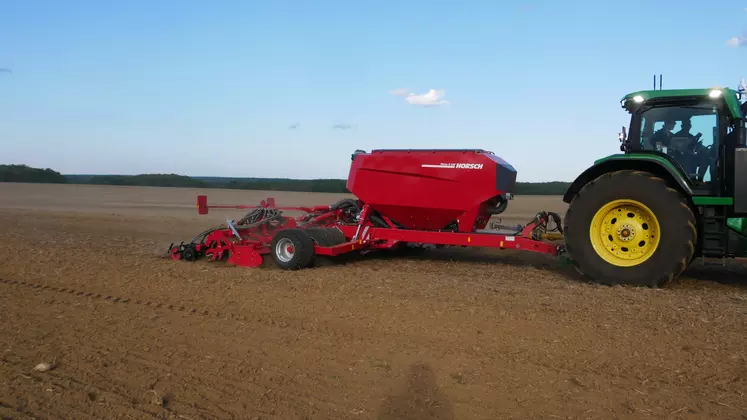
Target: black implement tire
(676,236)
(326,237)
(189,253)
(302,253)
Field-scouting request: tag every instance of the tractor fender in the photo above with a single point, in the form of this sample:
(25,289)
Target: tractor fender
(655,164)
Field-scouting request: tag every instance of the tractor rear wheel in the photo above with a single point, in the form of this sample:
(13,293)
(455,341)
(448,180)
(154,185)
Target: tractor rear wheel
(292,249)
(629,227)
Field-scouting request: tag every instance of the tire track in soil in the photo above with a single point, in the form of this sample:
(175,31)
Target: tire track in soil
(236,385)
(623,382)
(125,300)
(207,381)
(541,363)
(218,389)
(337,327)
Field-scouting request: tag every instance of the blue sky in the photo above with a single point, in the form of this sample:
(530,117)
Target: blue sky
(292,88)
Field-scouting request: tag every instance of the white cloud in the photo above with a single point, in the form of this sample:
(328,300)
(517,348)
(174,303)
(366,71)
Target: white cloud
(431,98)
(736,42)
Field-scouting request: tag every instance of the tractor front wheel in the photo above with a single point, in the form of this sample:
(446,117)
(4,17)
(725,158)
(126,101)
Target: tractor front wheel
(629,227)
(292,249)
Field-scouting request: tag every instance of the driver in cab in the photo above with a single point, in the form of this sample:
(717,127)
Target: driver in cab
(694,150)
(685,132)
(662,136)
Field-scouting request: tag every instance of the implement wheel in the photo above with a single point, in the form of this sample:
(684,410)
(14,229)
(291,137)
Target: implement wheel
(292,249)
(630,227)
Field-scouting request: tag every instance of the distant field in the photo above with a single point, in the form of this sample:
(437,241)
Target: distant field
(180,202)
(453,334)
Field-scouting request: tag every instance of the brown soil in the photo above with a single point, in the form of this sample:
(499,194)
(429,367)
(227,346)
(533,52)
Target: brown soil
(454,334)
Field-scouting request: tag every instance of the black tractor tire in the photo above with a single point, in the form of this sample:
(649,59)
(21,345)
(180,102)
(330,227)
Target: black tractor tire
(303,249)
(677,229)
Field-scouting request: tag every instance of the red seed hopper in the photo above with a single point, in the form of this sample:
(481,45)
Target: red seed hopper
(402,198)
(432,189)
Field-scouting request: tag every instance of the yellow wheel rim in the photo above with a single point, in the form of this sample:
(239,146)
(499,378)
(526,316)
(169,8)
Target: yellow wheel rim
(625,233)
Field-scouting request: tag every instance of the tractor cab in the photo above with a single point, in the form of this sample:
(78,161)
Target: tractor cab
(694,129)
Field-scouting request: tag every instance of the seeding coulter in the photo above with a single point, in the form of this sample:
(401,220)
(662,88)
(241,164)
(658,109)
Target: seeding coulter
(404,199)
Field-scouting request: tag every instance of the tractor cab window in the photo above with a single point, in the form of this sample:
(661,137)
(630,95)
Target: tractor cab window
(689,134)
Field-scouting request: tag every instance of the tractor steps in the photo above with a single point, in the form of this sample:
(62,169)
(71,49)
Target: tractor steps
(715,233)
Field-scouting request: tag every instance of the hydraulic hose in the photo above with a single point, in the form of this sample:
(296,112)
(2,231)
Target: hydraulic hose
(201,236)
(259,216)
(542,231)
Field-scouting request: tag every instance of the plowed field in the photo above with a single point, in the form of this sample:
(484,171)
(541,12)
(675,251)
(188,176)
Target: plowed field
(452,334)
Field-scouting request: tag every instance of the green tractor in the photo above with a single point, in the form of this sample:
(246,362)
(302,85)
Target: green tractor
(677,192)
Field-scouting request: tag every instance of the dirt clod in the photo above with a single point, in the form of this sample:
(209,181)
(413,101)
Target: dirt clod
(44,367)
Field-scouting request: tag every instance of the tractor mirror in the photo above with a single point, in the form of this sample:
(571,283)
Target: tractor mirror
(623,135)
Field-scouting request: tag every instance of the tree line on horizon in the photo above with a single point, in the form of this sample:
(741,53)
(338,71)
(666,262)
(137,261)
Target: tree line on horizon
(26,174)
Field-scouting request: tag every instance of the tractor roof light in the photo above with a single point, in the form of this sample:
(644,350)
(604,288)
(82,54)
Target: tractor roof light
(638,99)
(715,93)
